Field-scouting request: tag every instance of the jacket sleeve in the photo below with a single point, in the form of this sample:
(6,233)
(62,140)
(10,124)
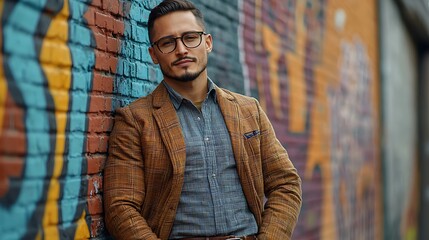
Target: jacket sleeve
(124,189)
(282,186)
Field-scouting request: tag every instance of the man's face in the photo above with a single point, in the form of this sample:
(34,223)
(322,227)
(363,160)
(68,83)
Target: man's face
(183,64)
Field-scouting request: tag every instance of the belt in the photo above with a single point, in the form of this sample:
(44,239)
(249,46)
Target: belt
(252,237)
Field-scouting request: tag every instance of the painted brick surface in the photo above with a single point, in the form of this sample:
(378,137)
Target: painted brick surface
(67,65)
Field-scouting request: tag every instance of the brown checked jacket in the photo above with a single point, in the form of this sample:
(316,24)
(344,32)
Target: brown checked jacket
(144,173)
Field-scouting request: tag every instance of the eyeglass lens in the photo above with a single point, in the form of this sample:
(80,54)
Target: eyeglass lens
(190,40)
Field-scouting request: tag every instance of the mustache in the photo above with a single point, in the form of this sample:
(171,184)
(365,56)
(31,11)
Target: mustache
(183,58)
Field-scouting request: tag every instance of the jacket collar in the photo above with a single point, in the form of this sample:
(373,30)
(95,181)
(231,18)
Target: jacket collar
(161,96)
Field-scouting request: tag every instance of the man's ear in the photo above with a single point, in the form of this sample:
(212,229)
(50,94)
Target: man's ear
(209,43)
(152,55)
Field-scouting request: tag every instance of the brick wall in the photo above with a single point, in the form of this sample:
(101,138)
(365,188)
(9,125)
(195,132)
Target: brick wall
(66,65)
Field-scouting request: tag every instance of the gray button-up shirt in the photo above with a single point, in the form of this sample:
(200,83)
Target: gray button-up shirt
(212,201)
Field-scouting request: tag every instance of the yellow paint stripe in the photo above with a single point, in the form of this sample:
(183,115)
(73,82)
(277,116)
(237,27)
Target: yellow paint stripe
(3,83)
(82,231)
(297,84)
(272,43)
(55,53)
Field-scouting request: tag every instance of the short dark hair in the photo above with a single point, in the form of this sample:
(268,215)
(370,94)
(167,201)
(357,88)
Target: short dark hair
(169,6)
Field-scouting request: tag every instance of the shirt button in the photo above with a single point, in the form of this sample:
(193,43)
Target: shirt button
(198,118)
(214,175)
(206,139)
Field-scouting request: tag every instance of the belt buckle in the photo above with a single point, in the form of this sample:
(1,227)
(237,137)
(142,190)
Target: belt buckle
(233,238)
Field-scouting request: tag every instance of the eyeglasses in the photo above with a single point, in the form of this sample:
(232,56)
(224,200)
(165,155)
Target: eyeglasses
(189,39)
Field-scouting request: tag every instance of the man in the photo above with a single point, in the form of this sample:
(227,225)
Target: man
(192,160)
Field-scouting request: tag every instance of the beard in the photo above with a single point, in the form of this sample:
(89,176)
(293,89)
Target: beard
(186,77)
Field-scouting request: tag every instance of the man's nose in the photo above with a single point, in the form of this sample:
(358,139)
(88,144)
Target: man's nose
(180,47)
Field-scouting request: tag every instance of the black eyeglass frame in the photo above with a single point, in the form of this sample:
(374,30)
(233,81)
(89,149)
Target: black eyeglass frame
(201,33)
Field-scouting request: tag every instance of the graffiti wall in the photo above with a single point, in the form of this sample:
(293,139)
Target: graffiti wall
(313,66)
(65,65)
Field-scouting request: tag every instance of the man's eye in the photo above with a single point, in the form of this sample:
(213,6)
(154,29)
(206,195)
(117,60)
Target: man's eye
(190,37)
(166,42)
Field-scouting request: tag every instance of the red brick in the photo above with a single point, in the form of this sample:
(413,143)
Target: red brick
(113,45)
(113,63)
(90,16)
(100,103)
(111,6)
(12,142)
(101,61)
(118,27)
(95,205)
(100,41)
(97,144)
(9,167)
(102,83)
(95,164)
(97,225)
(95,185)
(14,116)
(101,20)
(100,124)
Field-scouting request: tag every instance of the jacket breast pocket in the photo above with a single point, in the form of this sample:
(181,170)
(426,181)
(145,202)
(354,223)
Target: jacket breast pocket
(253,151)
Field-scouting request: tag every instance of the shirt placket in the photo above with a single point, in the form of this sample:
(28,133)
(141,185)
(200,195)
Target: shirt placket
(210,153)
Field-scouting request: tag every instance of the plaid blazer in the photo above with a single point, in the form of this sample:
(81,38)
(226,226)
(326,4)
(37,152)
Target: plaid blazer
(144,173)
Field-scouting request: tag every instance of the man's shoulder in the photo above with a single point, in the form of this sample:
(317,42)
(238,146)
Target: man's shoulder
(240,98)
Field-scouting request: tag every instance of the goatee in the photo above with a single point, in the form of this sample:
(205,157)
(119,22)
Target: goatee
(187,77)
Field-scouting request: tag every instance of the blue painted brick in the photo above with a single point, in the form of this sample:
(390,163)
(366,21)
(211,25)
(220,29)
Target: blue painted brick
(77,122)
(123,86)
(133,69)
(145,16)
(136,89)
(139,34)
(127,29)
(10,219)
(126,68)
(142,70)
(83,57)
(127,49)
(120,68)
(24,17)
(77,9)
(145,54)
(16,42)
(76,144)
(136,12)
(80,35)
(33,190)
(72,185)
(81,80)
(79,103)
(38,119)
(149,4)
(34,167)
(34,92)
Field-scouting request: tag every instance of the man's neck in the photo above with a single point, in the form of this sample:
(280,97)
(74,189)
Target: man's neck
(195,90)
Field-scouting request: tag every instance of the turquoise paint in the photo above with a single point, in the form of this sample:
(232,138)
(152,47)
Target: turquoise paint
(79,99)
(84,59)
(80,52)
(132,76)
(77,124)
(81,80)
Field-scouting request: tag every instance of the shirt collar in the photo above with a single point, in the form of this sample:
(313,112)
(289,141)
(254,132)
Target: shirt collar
(177,99)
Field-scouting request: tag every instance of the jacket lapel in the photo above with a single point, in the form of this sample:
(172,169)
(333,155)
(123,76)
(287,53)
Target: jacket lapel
(231,116)
(170,129)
